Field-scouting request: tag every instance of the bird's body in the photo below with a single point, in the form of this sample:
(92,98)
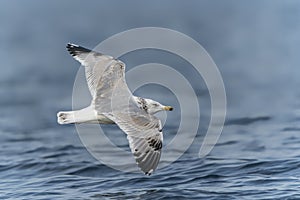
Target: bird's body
(89,115)
(112,102)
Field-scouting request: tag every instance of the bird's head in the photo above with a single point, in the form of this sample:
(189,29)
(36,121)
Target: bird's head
(154,106)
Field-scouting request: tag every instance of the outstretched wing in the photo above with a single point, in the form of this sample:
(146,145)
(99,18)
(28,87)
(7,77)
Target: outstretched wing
(102,73)
(144,133)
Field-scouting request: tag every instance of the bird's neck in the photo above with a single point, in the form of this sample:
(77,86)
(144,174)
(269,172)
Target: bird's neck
(141,103)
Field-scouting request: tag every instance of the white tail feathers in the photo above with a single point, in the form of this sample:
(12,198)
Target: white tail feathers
(86,115)
(66,117)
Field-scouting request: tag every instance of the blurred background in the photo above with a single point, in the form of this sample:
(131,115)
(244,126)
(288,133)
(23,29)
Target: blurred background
(255,45)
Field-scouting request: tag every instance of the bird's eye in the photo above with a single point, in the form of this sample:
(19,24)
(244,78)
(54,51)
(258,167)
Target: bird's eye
(155,104)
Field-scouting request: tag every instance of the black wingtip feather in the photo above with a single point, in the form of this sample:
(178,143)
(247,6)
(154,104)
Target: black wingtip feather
(148,174)
(75,50)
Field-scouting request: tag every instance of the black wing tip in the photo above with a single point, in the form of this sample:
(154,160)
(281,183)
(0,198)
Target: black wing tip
(148,173)
(75,50)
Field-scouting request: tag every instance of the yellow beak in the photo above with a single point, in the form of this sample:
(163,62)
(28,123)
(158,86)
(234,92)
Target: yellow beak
(168,108)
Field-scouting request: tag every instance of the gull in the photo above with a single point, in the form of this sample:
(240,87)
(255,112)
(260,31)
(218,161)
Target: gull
(113,103)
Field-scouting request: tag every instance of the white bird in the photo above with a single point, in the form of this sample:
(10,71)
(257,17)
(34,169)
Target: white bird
(112,102)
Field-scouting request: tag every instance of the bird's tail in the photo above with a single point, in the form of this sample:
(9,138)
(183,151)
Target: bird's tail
(66,117)
(85,115)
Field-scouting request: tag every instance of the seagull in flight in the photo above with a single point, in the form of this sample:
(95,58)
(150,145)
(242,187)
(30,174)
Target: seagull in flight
(113,103)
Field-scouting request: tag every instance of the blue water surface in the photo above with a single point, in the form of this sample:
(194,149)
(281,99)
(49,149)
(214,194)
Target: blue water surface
(255,44)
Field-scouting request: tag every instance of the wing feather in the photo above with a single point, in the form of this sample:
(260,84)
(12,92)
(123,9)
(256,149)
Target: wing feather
(102,72)
(145,142)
